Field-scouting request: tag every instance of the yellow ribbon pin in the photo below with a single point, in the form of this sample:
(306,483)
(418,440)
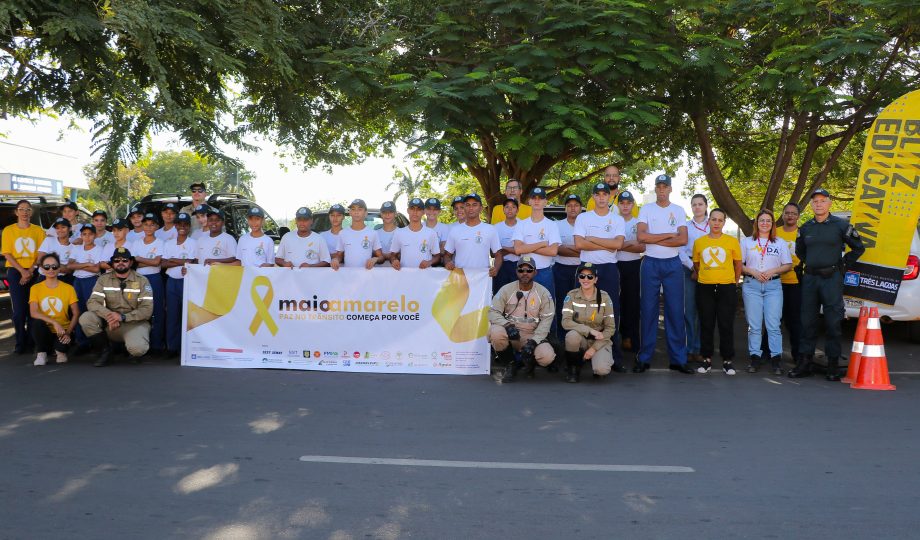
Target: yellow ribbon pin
(262,304)
(448,305)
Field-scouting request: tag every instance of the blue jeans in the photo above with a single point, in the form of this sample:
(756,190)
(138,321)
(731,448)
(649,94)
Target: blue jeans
(763,306)
(655,274)
(84,288)
(564,281)
(174,314)
(608,280)
(19,300)
(158,320)
(691,315)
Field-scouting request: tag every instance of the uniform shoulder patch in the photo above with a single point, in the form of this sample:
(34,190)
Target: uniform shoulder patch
(148,288)
(566,299)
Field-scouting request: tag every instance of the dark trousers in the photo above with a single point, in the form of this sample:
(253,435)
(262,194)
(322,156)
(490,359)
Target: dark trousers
(158,320)
(507,273)
(46,341)
(792,318)
(83,288)
(818,292)
(716,304)
(608,280)
(19,302)
(629,300)
(564,281)
(174,314)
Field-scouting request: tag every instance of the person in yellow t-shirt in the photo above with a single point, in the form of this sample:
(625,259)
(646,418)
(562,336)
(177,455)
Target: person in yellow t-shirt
(19,244)
(792,292)
(54,310)
(612,178)
(717,269)
(513,190)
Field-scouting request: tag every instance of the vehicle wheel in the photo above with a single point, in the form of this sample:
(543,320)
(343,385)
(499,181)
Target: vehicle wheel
(913,331)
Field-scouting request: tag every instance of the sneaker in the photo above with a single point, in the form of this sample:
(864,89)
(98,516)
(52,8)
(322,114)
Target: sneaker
(61,358)
(752,368)
(706,367)
(728,368)
(40,359)
(778,371)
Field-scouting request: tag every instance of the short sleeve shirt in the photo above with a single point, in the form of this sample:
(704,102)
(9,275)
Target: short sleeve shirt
(297,250)
(530,232)
(660,221)
(385,238)
(252,251)
(166,235)
(174,250)
(23,244)
(789,238)
(472,246)
(414,247)
(357,246)
(763,254)
(632,231)
(505,238)
(608,227)
(82,255)
(222,246)
(51,245)
(716,257)
(54,303)
(332,240)
(148,251)
(567,238)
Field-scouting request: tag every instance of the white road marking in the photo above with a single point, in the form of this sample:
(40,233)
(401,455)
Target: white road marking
(772,381)
(497,464)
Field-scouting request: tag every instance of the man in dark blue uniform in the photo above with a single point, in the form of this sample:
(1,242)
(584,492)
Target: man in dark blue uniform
(819,245)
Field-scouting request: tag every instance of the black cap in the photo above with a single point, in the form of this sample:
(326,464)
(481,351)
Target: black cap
(457,199)
(169,206)
(183,218)
(821,191)
(510,200)
(197,185)
(149,216)
(418,203)
(119,223)
(573,197)
(337,208)
(69,204)
(586,266)
(135,210)
(61,221)
(433,202)
(121,253)
(201,209)
(255,211)
(303,213)
(388,207)
(625,196)
(359,203)
(526,260)
(101,213)
(538,192)
(87,226)
(663,179)
(474,196)
(215,212)
(600,186)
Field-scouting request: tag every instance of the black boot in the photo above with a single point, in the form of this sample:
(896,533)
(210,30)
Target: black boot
(506,357)
(530,364)
(832,373)
(510,371)
(802,367)
(573,363)
(101,343)
(777,363)
(755,364)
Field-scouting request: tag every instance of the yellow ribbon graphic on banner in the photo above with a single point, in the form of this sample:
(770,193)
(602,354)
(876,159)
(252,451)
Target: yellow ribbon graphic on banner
(262,304)
(448,305)
(220,295)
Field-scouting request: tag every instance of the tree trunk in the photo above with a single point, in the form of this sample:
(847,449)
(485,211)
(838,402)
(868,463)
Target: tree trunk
(717,184)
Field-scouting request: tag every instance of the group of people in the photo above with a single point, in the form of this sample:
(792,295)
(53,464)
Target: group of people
(568,281)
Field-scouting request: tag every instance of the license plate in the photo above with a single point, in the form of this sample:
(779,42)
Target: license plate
(853,302)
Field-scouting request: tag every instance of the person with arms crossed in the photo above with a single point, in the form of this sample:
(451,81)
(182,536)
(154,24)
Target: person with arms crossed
(54,310)
(59,245)
(103,237)
(662,228)
(302,248)
(255,248)
(358,246)
(538,237)
(629,261)
(177,255)
(148,253)
(469,244)
(416,245)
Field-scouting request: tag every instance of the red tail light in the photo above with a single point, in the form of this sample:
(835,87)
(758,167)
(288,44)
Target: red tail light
(912,270)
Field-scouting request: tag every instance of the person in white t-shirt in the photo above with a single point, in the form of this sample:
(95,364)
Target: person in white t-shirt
(567,259)
(538,237)
(178,253)
(84,267)
(199,218)
(432,213)
(103,237)
(336,218)
(458,207)
(59,245)
(697,227)
(416,245)
(358,246)
(386,231)
(663,229)
(148,253)
(302,248)
(629,261)
(168,231)
(120,233)
(217,247)
(600,234)
(136,221)
(469,244)
(70,212)
(255,248)
(508,270)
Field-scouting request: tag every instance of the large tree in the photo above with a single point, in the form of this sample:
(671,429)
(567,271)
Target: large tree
(173,172)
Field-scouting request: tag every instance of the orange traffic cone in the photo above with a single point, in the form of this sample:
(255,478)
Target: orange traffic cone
(856,351)
(873,366)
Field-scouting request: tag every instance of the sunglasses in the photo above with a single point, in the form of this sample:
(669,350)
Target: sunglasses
(525,270)
(197,190)
(51,266)
(586,276)
(116,261)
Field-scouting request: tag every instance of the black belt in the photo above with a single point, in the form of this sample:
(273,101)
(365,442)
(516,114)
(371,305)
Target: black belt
(771,279)
(822,271)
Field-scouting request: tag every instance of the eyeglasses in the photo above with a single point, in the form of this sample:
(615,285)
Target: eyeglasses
(512,188)
(26,210)
(51,266)
(116,261)
(586,276)
(525,270)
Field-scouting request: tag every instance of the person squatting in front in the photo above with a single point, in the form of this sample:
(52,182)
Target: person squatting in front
(54,311)
(588,318)
(521,318)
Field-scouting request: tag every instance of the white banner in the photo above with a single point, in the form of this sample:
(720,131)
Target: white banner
(378,321)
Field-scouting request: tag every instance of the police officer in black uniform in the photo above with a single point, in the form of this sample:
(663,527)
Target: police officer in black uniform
(819,245)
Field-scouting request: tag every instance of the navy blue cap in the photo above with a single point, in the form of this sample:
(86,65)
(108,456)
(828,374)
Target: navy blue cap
(121,253)
(149,216)
(61,221)
(418,203)
(821,191)
(255,211)
(183,218)
(586,266)
(457,199)
(359,203)
(512,201)
(87,226)
(303,213)
(433,202)
(201,209)
(538,192)
(215,212)
(337,208)
(573,197)
(600,186)
(135,210)
(169,206)
(625,196)
(663,179)
(474,196)
(101,213)
(119,223)
(388,207)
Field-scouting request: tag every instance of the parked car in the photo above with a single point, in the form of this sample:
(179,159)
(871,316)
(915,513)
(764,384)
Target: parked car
(321,220)
(233,205)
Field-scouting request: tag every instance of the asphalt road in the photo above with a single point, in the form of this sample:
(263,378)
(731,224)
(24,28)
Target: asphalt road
(158,451)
